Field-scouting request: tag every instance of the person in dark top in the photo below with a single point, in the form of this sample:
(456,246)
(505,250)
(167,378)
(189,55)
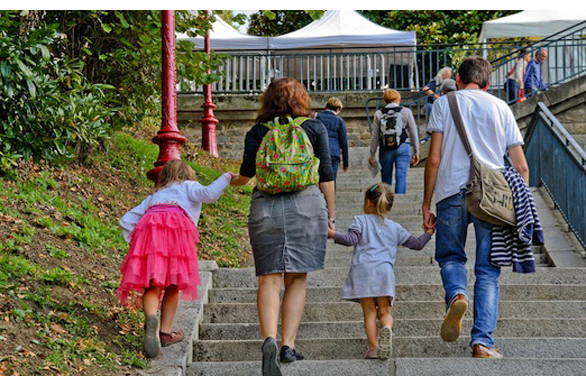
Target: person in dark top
(337,134)
(433,87)
(288,231)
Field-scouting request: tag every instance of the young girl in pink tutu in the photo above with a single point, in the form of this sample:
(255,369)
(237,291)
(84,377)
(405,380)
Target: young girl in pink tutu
(162,258)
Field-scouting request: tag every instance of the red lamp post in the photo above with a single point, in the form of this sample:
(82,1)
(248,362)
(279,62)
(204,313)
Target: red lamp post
(209,121)
(169,138)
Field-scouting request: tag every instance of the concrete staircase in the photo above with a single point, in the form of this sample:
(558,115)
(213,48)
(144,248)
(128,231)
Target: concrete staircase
(541,328)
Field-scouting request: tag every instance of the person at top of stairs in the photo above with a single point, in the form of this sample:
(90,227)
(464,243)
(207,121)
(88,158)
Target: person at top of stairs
(371,280)
(492,131)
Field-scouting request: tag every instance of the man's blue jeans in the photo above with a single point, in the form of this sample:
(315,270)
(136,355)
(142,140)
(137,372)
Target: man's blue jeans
(452,225)
(400,157)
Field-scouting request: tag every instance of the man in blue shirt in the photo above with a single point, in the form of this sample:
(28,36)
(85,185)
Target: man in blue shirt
(533,78)
(336,132)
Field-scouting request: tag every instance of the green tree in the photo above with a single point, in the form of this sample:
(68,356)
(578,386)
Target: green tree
(437,27)
(275,23)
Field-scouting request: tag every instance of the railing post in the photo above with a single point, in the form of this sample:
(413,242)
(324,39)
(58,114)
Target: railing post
(169,138)
(209,121)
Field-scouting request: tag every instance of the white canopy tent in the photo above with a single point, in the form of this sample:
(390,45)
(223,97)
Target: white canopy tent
(342,28)
(225,38)
(531,24)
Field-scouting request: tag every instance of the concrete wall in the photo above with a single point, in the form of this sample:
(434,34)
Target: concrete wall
(236,114)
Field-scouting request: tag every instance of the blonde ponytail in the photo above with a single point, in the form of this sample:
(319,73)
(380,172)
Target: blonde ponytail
(382,196)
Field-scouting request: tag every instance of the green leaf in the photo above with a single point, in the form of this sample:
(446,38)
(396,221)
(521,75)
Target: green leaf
(106,27)
(25,69)
(45,52)
(32,88)
(87,51)
(122,19)
(5,69)
(270,14)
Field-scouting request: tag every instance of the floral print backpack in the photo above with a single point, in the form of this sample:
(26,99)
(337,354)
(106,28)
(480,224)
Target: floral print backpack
(285,161)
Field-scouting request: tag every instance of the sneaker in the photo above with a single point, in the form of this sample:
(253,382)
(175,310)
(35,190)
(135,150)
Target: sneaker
(270,362)
(289,355)
(480,351)
(453,321)
(371,354)
(151,337)
(171,338)
(385,343)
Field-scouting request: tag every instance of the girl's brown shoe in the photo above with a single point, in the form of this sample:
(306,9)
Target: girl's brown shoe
(171,338)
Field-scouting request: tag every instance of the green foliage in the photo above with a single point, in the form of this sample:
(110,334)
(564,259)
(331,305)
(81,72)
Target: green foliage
(48,109)
(275,23)
(123,49)
(436,27)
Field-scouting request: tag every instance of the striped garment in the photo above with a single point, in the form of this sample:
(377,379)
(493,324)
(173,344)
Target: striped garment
(512,245)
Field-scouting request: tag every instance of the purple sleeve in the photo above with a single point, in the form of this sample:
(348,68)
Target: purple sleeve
(417,243)
(351,238)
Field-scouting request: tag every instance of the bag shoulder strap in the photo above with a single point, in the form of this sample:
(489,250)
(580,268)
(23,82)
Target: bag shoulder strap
(457,117)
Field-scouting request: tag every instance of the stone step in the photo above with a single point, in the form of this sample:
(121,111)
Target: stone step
(531,327)
(489,367)
(245,278)
(402,367)
(410,347)
(417,293)
(344,260)
(351,311)
(355,367)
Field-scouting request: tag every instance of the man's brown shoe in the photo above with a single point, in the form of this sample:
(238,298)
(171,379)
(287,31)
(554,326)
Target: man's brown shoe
(453,322)
(480,351)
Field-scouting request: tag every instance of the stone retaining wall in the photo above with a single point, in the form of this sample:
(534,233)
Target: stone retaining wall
(236,114)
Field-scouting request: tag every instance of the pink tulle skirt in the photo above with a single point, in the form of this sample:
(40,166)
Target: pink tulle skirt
(162,253)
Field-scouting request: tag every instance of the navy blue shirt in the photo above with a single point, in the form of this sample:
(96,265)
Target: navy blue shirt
(433,87)
(336,133)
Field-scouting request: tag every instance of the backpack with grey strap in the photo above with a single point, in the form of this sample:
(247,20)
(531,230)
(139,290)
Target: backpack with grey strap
(392,133)
(488,194)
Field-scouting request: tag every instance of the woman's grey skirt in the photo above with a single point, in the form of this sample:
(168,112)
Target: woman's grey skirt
(288,232)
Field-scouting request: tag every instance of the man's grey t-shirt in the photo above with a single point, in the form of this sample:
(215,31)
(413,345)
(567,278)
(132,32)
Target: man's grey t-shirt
(491,129)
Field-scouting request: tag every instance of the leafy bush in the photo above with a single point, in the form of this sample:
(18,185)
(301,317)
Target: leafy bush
(48,109)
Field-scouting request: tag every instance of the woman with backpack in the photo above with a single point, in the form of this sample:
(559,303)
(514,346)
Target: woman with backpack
(289,212)
(395,131)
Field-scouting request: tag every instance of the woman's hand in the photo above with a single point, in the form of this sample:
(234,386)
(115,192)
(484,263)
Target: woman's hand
(415,160)
(371,161)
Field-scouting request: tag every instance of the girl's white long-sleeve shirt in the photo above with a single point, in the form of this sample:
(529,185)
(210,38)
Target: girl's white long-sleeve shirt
(189,195)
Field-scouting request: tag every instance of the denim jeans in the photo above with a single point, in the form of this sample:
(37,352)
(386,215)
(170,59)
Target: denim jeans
(427,110)
(512,89)
(452,225)
(400,158)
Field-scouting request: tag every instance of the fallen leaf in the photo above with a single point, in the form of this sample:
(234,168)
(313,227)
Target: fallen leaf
(87,362)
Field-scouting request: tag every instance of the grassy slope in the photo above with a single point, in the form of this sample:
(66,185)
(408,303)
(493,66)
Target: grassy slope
(60,250)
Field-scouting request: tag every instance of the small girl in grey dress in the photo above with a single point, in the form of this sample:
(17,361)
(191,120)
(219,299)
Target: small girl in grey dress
(371,280)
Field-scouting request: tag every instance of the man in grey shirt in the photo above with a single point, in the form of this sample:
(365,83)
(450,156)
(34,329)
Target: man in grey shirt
(398,157)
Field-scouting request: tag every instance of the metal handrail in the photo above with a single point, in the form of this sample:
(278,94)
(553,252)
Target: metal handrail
(561,168)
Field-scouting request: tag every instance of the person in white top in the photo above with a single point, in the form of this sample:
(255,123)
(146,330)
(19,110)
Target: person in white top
(492,131)
(515,77)
(162,257)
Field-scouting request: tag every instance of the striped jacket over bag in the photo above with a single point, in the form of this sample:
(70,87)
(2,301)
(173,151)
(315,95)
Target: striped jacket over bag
(512,245)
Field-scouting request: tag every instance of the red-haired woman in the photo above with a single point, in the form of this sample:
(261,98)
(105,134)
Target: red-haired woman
(288,231)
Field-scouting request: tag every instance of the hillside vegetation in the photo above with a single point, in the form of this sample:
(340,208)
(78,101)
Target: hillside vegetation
(61,248)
